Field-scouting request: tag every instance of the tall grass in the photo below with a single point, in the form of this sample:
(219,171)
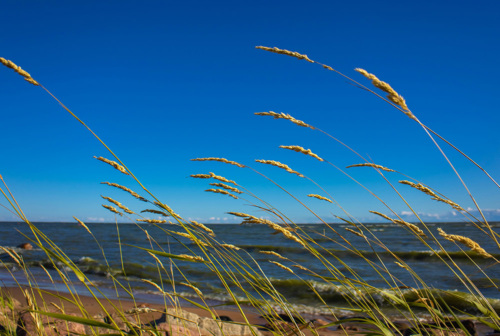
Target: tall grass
(242,276)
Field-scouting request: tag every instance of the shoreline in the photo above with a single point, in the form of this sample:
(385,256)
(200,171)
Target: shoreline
(123,312)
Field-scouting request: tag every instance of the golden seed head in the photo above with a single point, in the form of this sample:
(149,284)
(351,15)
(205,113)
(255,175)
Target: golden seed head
(13,254)
(118,204)
(225,186)
(31,81)
(371,165)
(301,267)
(320,197)
(191,258)
(153,284)
(196,289)
(284,116)
(245,216)
(281,266)
(201,176)
(152,221)
(183,234)
(279,165)
(273,254)
(433,195)
(411,226)
(466,241)
(16,68)
(136,195)
(393,96)
(355,232)
(230,246)
(82,224)
(220,160)
(113,164)
(112,209)
(286,52)
(401,265)
(166,207)
(299,149)
(222,191)
(203,227)
(222,179)
(158,212)
(278,228)
(153,255)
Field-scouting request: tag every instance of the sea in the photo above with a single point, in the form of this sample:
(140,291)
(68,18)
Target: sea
(117,254)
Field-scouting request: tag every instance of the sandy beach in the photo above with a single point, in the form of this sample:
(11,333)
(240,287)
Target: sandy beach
(112,316)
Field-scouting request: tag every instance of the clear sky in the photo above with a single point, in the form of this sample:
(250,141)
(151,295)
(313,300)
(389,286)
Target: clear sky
(163,82)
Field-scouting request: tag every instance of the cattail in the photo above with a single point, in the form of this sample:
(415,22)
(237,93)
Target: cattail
(118,204)
(222,191)
(152,221)
(284,116)
(281,266)
(82,224)
(112,209)
(355,232)
(279,165)
(158,212)
(133,193)
(434,196)
(113,164)
(220,160)
(299,149)
(166,207)
(320,197)
(273,254)
(225,186)
(286,52)
(371,165)
(411,226)
(16,68)
(203,227)
(393,96)
(466,241)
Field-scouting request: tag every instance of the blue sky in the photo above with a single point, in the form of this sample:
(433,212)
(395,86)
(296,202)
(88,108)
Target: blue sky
(163,82)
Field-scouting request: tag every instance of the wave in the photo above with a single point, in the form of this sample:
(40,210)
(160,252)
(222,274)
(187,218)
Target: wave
(405,255)
(313,293)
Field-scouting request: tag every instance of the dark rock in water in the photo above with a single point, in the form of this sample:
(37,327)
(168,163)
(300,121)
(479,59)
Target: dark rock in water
(26,246)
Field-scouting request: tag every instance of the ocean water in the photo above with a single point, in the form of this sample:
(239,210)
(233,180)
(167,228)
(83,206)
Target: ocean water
(116,255)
